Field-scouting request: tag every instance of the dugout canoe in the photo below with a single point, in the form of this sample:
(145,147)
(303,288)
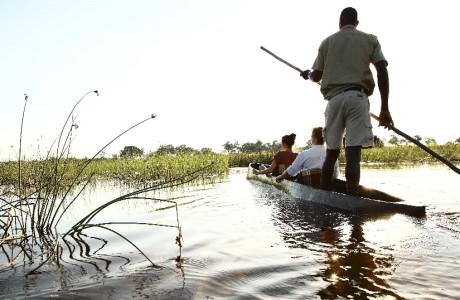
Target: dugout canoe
(369,200)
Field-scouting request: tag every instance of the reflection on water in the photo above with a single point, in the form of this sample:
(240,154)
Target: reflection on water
(243,240)
(352,268)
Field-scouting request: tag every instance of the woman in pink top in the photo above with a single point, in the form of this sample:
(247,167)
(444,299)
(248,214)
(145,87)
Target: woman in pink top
(282,159)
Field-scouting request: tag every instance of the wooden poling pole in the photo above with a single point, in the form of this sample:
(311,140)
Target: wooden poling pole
(283,61)
(408,137)
(280,59)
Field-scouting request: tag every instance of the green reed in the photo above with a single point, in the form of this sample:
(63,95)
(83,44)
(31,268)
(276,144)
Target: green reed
(30,196)
(35,194)
(161,167)
(408,154)
(385,155)
(244,159)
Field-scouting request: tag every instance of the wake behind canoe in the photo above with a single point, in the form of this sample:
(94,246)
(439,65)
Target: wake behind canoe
(370,200)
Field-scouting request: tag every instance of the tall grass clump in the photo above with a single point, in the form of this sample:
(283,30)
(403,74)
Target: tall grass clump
(244,159)
(165,167)
(36,194)
(386,155)
(409,154)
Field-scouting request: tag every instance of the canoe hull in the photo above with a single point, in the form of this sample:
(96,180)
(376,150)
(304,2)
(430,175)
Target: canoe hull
(339,200)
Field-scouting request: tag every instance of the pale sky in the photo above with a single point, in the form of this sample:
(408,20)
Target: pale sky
(198,66)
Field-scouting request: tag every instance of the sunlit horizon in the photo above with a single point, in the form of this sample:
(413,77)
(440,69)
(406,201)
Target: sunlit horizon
(198,66)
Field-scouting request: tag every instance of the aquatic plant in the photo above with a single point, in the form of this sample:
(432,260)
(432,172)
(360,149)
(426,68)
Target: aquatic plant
(244,159)
(386,155)
(30,210)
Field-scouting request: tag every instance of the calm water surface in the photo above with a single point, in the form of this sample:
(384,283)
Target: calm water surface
(242,240)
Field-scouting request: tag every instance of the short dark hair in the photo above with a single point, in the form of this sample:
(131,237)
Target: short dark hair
(349,16)
(317,133)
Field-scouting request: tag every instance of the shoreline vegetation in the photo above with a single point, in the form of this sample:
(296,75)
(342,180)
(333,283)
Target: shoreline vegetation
(36,193)
(392,155)
(167,167)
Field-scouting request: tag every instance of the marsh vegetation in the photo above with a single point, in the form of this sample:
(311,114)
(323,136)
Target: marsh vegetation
(36,194)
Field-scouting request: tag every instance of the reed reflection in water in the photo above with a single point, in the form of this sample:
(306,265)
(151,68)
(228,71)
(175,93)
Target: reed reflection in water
(243,240)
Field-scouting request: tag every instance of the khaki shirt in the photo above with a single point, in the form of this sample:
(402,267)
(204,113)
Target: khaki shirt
(345,58)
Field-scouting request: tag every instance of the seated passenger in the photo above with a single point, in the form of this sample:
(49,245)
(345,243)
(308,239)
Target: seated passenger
(281,160)
(307,165)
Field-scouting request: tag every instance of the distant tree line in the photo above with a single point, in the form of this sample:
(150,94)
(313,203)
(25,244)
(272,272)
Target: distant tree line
(258,146)
(254,147)
(395,141)
(182,149)
(133,151)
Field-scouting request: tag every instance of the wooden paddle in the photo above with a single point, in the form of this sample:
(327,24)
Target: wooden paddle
(431,152)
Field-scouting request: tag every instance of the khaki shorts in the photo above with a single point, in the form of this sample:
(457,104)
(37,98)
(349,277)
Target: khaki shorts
(348,113)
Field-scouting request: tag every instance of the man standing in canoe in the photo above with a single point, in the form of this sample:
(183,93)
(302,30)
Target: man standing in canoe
(343,67)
